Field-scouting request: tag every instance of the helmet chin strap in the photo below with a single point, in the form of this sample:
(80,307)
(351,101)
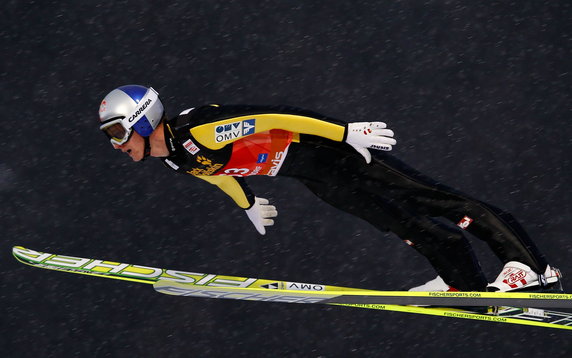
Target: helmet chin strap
(146,149)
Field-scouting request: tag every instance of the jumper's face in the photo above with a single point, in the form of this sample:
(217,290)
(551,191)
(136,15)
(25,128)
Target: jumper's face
(134,147)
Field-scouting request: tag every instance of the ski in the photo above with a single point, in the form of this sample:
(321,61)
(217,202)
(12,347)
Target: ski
(500,314)
(167,281)
(182,283)
(317,293)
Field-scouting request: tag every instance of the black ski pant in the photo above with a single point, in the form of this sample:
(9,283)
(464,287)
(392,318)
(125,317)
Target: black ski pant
(395,197)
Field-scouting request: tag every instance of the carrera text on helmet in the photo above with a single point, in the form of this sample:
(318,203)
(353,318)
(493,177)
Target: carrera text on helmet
(140,110)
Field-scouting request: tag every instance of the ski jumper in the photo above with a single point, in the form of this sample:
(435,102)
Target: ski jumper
(224,144)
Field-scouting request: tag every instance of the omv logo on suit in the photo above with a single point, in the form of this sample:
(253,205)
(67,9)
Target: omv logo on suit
(232,131)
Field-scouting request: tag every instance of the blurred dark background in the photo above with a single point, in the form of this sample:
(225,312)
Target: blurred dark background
(478,93)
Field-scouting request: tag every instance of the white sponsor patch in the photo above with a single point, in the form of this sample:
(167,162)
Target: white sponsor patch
(171,164)
(191,147)
(535,312)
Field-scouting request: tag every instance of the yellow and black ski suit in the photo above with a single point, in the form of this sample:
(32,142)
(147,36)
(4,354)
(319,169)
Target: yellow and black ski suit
(224,144)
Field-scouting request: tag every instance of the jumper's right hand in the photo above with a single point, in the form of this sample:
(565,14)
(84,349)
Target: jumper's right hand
(374,135)
(260,213)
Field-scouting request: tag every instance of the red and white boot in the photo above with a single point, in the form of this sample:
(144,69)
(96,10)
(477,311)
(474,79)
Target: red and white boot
(516,276)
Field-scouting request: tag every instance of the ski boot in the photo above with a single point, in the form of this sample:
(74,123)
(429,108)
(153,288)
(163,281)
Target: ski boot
(517,276)
(435,285)
(438,285)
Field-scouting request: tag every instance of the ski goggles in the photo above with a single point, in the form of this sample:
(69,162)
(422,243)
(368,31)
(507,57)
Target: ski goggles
(120,129)
(116,131)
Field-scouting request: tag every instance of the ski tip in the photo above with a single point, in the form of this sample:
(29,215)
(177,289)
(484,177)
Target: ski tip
(16,250)
(17,253)
(27,256)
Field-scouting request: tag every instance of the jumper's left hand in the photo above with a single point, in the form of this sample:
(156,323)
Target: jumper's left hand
(374,135)
(261,214)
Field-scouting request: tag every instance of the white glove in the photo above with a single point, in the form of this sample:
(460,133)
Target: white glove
(375,135)
(260,214)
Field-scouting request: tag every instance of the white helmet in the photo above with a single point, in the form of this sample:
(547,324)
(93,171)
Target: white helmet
(129,108)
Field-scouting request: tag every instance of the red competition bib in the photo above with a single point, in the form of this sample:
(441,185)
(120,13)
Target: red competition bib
(258,154)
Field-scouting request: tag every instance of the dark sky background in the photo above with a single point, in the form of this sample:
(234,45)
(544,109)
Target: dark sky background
(478,93)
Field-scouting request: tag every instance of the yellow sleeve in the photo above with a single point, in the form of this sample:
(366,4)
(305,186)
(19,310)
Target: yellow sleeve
(231,187)
(206,133)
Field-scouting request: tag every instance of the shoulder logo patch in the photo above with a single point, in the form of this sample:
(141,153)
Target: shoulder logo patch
(191,147)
